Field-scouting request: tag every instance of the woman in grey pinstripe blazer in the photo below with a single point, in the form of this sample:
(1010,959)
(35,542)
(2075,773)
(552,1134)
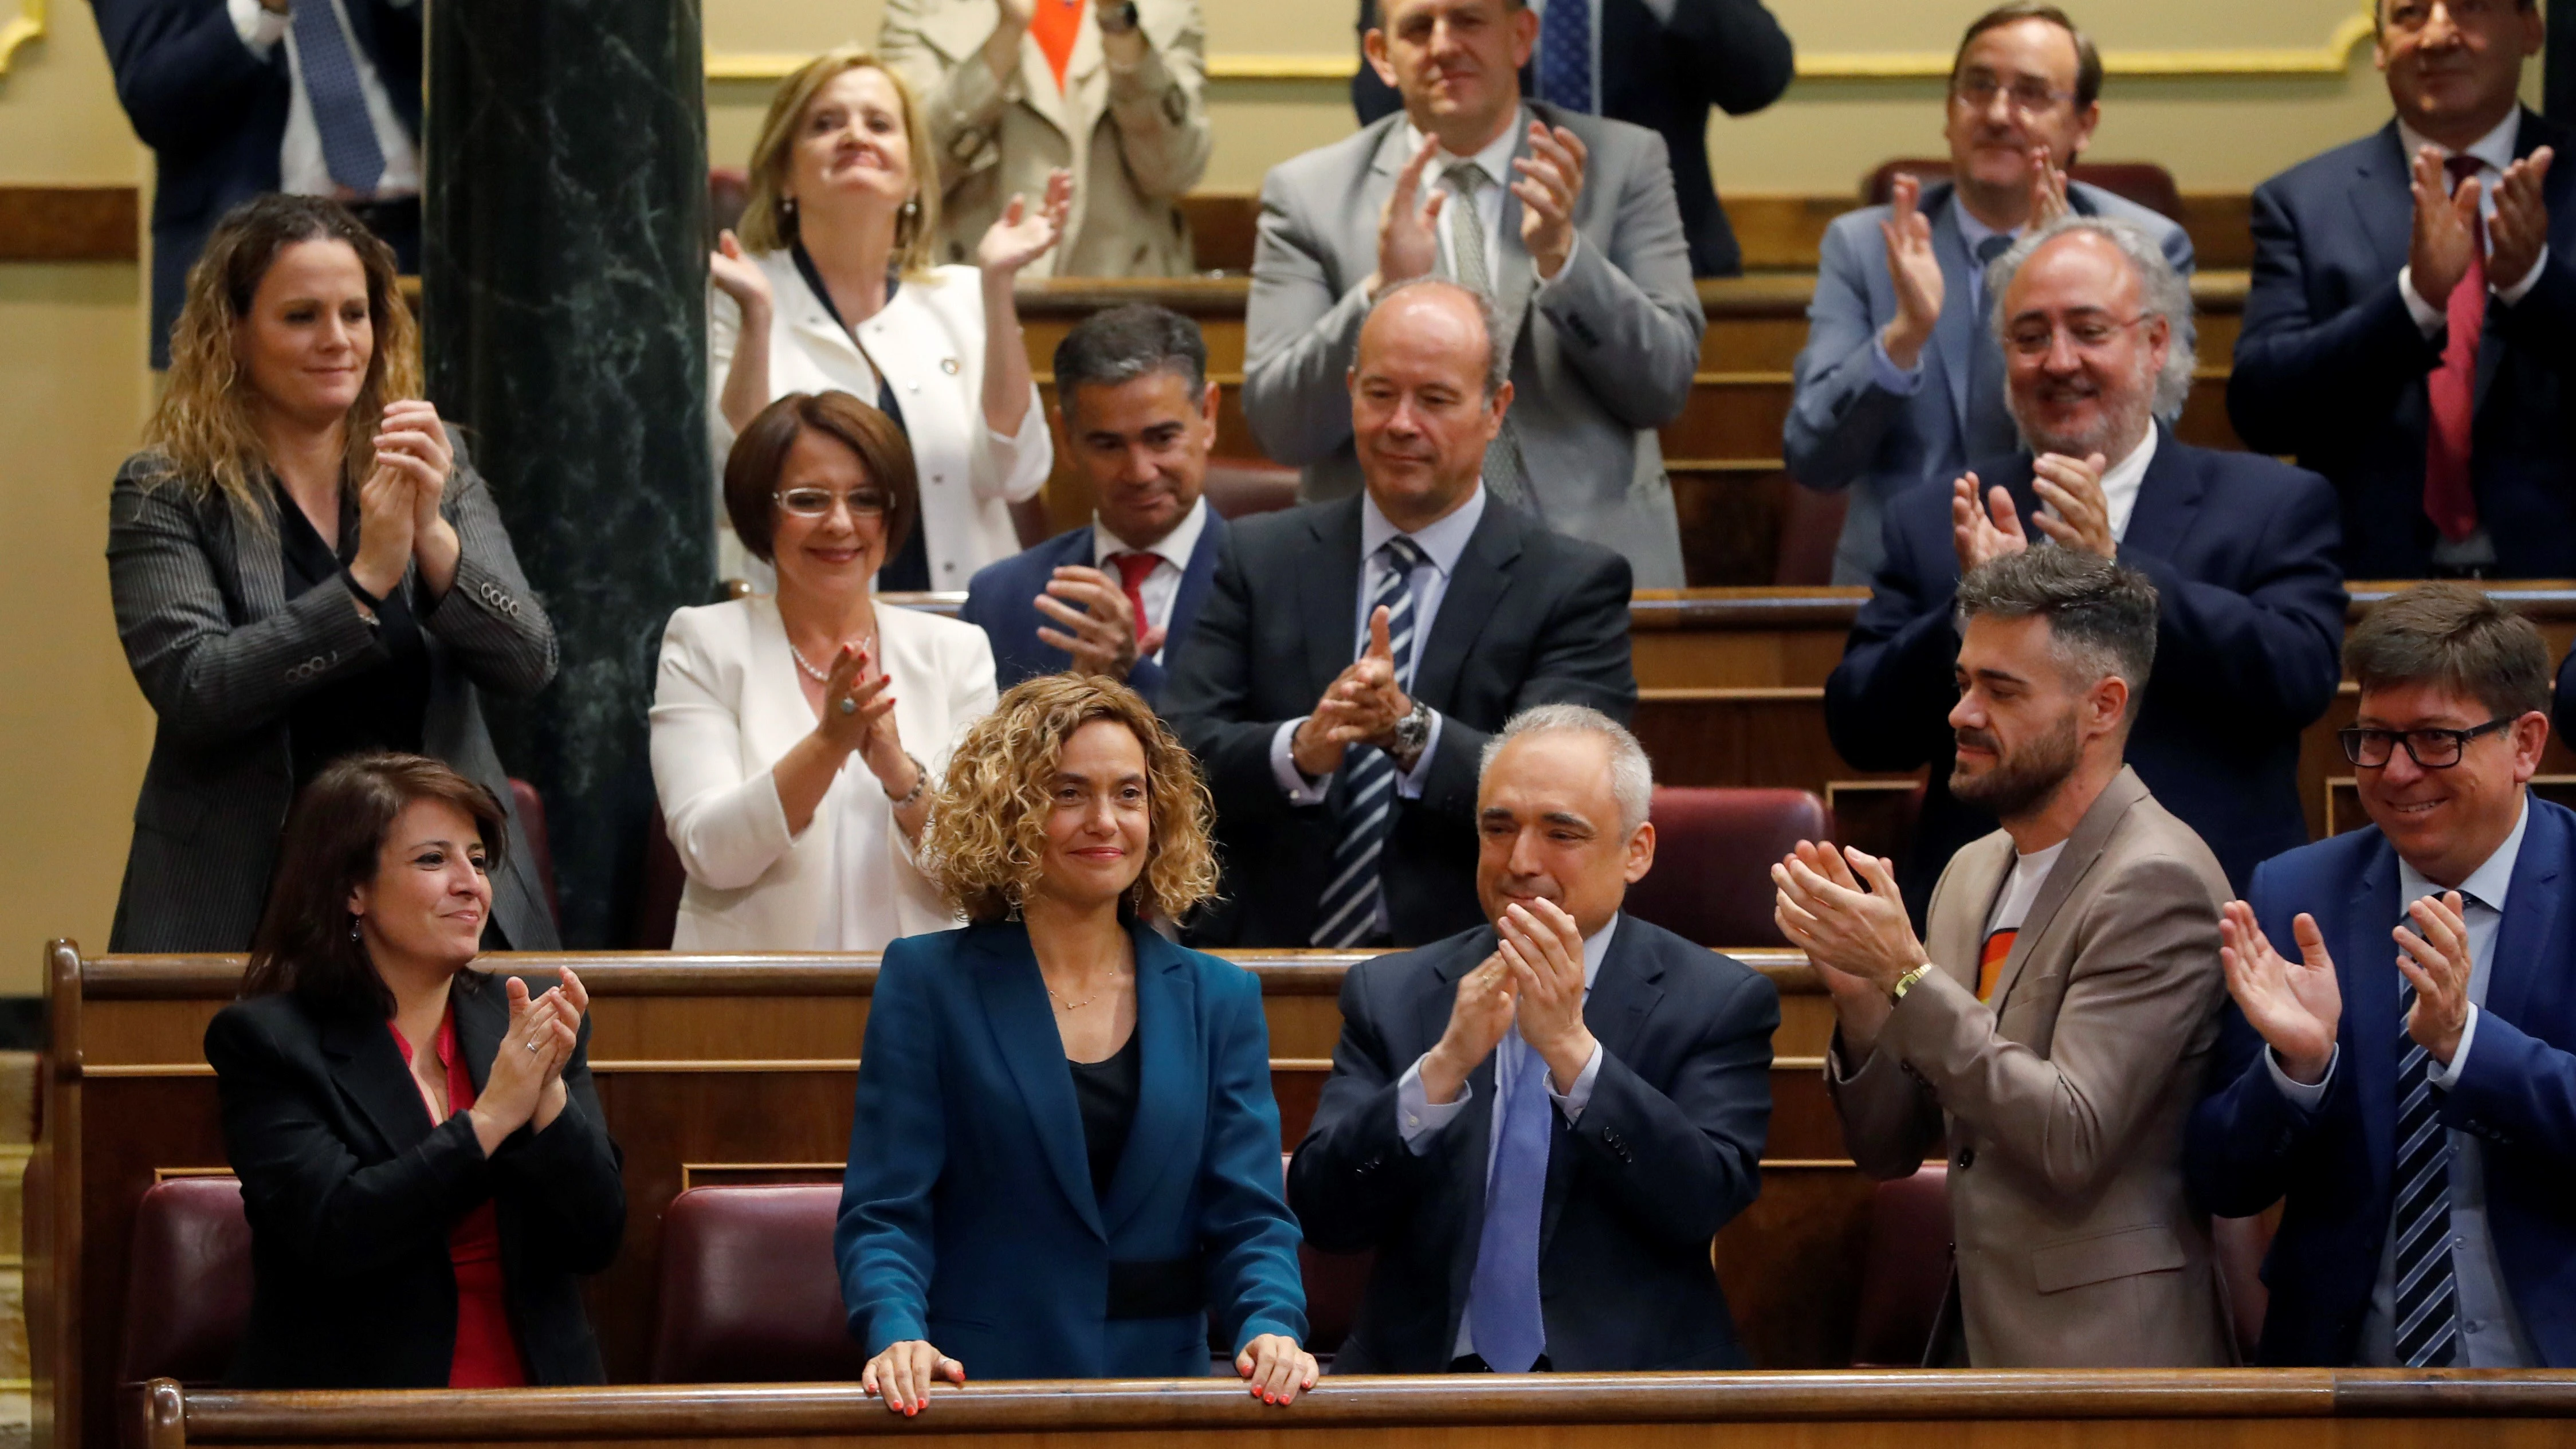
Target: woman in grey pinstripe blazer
(303,565)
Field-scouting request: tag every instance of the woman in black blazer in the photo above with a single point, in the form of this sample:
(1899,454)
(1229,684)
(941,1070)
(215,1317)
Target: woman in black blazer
(421,1155)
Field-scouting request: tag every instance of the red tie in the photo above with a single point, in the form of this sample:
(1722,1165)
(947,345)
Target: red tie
(2448,499)
(1133,570)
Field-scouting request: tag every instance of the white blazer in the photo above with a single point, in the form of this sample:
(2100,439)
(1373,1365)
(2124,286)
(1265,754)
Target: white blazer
(929,343)
(725,708)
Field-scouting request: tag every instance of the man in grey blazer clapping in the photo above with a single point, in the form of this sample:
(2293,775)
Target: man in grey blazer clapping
(1566,222)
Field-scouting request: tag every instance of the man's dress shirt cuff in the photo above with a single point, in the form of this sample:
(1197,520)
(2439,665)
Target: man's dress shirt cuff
(2445,1078)
(1891,378)
(2430,320)
(2302,1096)
(2530,279)
(259,27)
(1416,1119)
(1572,1103)
(1283,768)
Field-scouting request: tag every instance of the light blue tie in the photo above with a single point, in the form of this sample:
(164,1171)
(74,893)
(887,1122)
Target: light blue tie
(1565,55)
(339,107)
(1503,1313)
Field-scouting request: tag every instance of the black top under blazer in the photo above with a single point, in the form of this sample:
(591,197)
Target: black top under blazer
(1668,1151)
(1531,617)
(351,1194)
(224,657)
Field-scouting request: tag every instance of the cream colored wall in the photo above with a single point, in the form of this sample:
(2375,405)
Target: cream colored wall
(2217,133)
(73,730)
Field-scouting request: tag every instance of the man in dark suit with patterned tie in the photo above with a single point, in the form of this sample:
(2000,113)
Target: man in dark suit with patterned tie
(1539,1122)
(2409,328)
(1116,596)
(1353,656)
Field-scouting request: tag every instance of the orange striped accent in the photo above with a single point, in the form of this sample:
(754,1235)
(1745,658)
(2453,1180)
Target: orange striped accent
(1990,961)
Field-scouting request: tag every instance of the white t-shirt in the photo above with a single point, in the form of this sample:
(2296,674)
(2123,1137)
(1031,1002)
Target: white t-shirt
(2012,906)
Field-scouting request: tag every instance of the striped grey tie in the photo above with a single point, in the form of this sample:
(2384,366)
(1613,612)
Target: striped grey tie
(339,106)
(2427,1310)
(1470,269)
(1347,914)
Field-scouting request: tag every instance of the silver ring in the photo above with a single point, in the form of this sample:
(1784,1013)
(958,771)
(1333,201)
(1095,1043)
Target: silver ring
(532,1046)
(849,705)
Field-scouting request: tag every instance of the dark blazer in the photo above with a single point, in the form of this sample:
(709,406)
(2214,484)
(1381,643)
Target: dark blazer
(2562,701)
(969,1217)
(351,1194)
(1730,54)
(2331,367)
(223,655)
(2250,1148)
(2249,631)
(1532,617)
(998,602)
(214,115)
(1669,1149)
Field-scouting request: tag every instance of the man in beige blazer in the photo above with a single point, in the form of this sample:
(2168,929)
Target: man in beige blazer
(1112,90)
(2056,1023)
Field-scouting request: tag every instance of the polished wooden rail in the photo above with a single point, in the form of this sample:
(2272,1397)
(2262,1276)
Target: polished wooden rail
(1614,1411)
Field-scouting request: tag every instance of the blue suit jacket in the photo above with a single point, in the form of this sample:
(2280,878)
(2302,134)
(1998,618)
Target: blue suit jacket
(2249,1148)
(999,601)
(968,1216)
(214,115)
(1844,430)
(1668,1151)
(2330,366)
(2249,634)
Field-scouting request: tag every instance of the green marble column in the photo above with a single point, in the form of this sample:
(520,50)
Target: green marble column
(564,281)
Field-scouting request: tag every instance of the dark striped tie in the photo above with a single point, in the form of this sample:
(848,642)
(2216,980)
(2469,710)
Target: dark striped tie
(339,107)
(1348,913)
(2427,1309)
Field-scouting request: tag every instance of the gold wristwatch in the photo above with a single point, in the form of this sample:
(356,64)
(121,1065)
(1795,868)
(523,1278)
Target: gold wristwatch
(1905,983)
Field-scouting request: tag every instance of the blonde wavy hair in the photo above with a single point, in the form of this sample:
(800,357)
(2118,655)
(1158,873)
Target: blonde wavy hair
(203,430)
(769,222)
(987,828)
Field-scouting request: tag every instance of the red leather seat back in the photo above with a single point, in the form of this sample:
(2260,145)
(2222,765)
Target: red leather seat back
(530,807)
(1905,1270)
(1714,850)
(2144,182)
(1238,487)
(187,1298)
(750,1293)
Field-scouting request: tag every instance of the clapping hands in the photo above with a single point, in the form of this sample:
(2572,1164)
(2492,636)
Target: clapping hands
(525,1084)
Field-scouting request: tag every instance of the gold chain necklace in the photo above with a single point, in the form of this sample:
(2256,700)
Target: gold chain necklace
(1072,1006)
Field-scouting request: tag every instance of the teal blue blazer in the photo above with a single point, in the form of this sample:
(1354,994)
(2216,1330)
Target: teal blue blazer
(968,1215)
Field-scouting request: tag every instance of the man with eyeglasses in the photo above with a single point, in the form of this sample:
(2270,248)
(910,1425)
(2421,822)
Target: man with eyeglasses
(2407,330)
(2424,1171)
(2089,319)
(1899,383)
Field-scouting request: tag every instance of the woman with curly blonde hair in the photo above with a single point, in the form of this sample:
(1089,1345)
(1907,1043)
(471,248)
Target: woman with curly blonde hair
(1066,1152)
(304,567)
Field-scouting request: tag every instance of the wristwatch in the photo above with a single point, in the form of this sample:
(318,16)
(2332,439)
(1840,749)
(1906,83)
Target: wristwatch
(1412,733)
(1905,983)
(1117,18)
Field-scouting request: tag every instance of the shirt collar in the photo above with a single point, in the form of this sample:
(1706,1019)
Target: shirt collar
(2122,480)
(2495,148)
(1175,547)
(1973,231)
(1495,160)
(1443,541)
(2488,883)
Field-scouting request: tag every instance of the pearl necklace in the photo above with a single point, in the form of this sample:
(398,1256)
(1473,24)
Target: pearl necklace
(822,676)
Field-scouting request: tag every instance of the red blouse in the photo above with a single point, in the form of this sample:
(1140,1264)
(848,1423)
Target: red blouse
(487,1353)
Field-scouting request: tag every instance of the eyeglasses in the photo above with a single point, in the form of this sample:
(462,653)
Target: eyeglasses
(2089,334)
(2431,749)
(1977,91)
(817,502)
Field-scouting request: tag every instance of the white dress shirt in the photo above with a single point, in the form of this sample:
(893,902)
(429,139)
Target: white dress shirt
(301,171)
(1161,588)
(2491,1332)
(1417,1118)
(2121,482)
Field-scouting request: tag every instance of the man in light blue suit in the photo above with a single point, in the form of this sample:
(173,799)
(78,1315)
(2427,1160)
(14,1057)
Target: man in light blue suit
(1901,382)
(1117,595)
(2401,1071)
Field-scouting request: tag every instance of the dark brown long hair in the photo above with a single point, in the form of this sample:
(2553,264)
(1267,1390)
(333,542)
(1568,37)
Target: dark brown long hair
(307,943)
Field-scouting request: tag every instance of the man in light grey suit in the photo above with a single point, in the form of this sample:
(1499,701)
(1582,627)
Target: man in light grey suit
(1901,381)
(1567,222)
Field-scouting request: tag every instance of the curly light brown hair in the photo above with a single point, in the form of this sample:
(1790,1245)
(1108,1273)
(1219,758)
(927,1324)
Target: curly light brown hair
(202,428)
(769,223)
(987,829)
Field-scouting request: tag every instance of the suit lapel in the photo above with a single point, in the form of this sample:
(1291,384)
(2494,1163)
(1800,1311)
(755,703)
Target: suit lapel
(2382,200)
(1375,187)
(1468,1140)
(1071,549)
(1166,1020)
(1328,592)
(2168,500)
(2083,850)
(1195,582)
(2366,960)
(1037,79)
(775,715)
(1955,334)
(1483,577)
(2530,921)
(482,1011)
(1623,996)
(1024,1032)
(370,1071)
(1954,935)
(1515,275)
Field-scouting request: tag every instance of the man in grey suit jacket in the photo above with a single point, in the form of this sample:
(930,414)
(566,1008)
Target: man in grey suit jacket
(1901,383)
(1577,239)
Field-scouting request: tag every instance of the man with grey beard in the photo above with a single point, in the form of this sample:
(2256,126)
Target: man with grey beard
(2241,549)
